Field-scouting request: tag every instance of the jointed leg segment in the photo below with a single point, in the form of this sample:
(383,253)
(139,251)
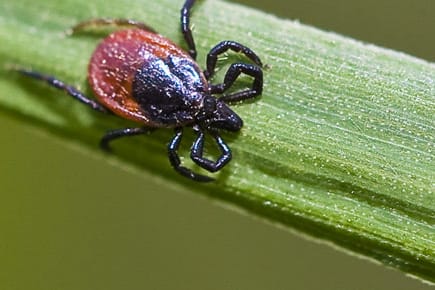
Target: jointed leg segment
(70,90)
(173,146)
(212,166)
(185,27)
(115,134)
(223,47)
(197,156)
(232,74)
(102,22)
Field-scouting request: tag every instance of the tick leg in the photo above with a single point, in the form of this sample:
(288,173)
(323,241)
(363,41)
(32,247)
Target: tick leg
(115,134)
(232,74)
(102,22)
(197,153)
(73,92)
(175,159)
(224,46)
(185,27)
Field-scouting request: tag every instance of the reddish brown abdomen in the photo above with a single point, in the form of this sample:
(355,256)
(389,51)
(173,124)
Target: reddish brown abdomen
(114,64)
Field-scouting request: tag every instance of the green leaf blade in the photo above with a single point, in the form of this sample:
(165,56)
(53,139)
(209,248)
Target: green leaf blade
(339,146)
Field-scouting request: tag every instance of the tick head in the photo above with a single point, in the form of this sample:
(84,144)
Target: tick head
(215,114)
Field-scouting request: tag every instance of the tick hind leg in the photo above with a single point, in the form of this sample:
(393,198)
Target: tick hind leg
(173,146)
(118,133)
(103,22)
(70,90)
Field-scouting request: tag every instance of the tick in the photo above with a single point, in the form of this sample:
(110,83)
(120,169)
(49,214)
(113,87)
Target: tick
(142,76)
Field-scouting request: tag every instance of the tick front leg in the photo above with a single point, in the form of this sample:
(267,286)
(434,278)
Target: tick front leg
(212,166)
(223,47)
(185,27)
(232,74)
(176,162)
(70,90)
(115,134)
(103,22)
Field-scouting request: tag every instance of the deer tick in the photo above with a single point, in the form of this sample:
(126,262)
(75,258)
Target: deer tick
(140,75)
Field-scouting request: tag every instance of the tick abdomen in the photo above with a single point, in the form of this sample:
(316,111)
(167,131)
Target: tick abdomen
(117,63)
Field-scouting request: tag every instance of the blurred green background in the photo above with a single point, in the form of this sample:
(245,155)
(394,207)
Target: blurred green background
(74,221)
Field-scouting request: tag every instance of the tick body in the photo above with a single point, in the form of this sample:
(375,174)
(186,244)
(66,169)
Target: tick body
(140,75)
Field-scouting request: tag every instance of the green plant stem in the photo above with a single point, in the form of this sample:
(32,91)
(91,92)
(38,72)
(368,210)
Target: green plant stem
(339,146)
